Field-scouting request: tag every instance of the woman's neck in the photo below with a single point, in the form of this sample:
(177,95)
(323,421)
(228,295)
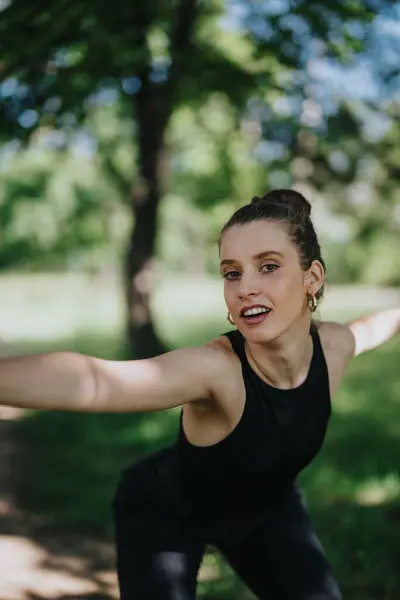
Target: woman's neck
(284,362)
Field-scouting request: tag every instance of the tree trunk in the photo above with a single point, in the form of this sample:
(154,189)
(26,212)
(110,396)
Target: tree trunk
(153,107)
(143,339)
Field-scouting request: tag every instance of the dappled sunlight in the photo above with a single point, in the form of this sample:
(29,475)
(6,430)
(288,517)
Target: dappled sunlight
(28,569)
(10,413)
(379,491)
(209,569)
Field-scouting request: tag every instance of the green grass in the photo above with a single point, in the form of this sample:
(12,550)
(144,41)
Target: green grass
(71,462)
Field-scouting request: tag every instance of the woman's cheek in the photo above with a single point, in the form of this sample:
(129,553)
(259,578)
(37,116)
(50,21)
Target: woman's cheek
(288,289)
(228,294)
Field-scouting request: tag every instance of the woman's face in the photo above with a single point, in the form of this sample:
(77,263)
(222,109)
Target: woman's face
(261,269)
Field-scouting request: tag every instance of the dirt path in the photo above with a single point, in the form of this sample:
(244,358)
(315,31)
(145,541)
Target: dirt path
(37,566)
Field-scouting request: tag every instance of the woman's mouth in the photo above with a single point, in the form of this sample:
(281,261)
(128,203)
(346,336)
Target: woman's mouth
(255,315)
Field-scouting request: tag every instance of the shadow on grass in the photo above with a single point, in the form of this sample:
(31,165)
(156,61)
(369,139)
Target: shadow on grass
(70,464)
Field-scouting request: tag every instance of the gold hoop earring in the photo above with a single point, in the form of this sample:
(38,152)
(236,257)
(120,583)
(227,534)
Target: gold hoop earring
(312,303)
(229,317)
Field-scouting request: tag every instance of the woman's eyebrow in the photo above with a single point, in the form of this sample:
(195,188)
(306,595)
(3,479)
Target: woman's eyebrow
(229,261)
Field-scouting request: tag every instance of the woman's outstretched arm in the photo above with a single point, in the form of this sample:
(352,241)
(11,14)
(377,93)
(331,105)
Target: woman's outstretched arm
(75,382)
(375,329)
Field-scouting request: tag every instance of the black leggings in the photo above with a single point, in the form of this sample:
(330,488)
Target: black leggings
(158,556)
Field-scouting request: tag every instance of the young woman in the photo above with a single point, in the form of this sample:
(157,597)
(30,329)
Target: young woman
(256,405)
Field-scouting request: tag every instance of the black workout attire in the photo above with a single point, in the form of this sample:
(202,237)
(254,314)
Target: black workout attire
(239,495)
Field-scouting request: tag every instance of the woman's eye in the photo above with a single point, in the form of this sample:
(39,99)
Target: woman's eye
(231,275)
(269,268)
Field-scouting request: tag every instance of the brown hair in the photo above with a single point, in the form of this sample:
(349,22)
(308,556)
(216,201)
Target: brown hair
(284,206)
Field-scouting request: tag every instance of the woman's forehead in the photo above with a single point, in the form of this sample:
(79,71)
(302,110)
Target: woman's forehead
(254,238)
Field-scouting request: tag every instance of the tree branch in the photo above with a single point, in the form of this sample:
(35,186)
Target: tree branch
(186,14)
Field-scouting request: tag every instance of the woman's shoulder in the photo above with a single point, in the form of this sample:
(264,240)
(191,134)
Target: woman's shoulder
(223,351)
(207,421)
(336,337)
(227,366)
(338,346)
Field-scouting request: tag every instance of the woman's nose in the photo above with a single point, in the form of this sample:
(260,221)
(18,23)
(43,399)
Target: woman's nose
(247,287)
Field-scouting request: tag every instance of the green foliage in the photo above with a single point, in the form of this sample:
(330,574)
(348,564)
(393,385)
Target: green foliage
(383,264)
(238,95)
(61,209)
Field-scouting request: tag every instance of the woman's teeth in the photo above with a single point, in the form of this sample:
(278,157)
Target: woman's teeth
(256,311)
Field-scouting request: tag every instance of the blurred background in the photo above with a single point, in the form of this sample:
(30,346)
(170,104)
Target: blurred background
(129,133)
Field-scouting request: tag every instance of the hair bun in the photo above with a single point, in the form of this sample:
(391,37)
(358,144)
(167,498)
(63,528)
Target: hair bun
(290,198)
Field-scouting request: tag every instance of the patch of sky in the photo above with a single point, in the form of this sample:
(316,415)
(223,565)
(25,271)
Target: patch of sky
(23,91)
(83,144)
(259,27)
(287,106)
(299,78)
(356,82)
(56,139)
(28,118)
(66,57)
(339,161)
(160,69)
(294,23)
(273,8)
(363,79)
(355,28)
(9,87)
(258,109)
(251,14)
(131,85)
(267,151)
(235,15)
(376,127)
(360,193)
(104,96)
(60,57)
(52,105)
(375,124)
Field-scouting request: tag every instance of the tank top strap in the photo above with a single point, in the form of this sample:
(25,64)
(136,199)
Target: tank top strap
(318,350)
(237,341)
(319,364)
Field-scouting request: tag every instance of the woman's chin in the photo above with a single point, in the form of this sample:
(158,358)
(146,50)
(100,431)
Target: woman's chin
(262,332)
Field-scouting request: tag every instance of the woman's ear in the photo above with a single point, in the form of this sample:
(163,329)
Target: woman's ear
(315,277)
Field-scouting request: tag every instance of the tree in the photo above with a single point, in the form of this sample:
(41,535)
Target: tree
(60,58)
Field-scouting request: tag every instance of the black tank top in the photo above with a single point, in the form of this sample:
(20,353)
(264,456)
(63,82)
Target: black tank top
(279,433)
